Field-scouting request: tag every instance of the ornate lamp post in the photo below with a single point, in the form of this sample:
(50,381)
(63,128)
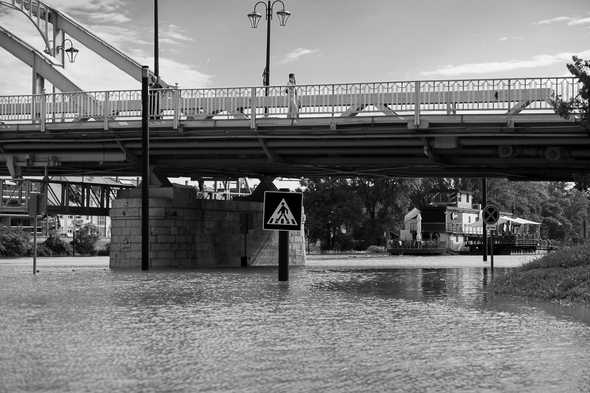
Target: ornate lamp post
(255,17)
(68,49)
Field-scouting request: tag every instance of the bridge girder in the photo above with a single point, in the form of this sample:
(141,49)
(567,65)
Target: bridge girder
(531,150)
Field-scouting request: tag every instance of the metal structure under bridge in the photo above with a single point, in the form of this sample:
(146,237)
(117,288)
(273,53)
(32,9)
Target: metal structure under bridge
(65,196)
(481,127)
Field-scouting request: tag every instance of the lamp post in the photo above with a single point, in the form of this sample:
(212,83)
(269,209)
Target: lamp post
(70,51)
(255,17)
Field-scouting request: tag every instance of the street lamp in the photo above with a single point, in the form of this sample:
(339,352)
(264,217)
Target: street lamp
(255,17)
(71,51)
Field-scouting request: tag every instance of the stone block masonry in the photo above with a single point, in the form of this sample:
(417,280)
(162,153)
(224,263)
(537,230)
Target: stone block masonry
(186,232)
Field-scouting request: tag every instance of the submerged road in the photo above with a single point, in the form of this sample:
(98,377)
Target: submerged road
(338,326)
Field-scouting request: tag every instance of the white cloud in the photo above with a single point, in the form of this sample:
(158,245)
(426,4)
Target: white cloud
(515,37)
(173,35)
(580,21)
(501,66)
(571,21)
(557,19)
(296,54)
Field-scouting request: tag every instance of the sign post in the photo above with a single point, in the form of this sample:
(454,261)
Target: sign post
(36,206)
(490,216)
(282,211)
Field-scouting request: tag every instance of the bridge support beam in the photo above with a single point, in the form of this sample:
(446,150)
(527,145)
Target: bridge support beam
(190,233)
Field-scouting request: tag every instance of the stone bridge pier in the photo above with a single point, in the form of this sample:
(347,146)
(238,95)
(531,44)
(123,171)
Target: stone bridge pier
(187,233)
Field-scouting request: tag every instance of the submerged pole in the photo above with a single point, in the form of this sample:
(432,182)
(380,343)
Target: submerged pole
(283,255)
(145,151)
(35,244)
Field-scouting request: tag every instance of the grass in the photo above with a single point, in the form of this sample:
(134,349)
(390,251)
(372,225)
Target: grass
(562,275)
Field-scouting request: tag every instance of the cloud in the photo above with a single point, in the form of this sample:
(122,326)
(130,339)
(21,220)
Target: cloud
(173,35)
(557,19)
(501,66)
(506,38)
(296,54)
(571,21)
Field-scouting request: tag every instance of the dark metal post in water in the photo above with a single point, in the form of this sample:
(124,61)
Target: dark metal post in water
(492,254)
(145,151)
(283,255)
(35,244)
(484,202)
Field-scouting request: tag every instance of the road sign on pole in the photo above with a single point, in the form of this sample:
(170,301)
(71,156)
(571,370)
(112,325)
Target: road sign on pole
(490,214)
(282,211)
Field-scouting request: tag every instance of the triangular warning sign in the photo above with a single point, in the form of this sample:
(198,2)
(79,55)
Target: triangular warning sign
(282,215)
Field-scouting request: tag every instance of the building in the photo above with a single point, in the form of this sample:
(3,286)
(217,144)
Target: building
(452,223)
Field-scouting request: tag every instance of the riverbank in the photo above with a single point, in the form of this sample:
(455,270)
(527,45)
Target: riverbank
(562,276)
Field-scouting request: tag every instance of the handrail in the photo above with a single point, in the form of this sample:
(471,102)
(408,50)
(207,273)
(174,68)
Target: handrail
(402,99)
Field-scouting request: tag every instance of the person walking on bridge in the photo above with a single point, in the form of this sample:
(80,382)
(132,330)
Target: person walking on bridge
(293,108)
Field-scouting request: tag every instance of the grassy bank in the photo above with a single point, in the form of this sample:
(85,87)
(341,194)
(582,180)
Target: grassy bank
(562,275)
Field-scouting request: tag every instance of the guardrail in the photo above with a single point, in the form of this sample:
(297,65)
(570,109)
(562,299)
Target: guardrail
(399,99)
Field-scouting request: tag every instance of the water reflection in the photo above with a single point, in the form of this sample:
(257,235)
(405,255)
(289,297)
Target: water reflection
(328,330)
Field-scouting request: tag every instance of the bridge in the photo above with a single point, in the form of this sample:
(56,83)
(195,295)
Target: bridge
(65,196)
(476,127)
(471,127)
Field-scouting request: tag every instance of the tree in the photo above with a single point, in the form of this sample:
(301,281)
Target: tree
(85,238)
(578,106)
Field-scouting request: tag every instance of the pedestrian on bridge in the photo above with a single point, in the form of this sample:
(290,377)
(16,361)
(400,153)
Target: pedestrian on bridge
(293,108)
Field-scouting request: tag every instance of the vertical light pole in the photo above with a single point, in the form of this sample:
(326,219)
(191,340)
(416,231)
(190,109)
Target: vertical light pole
(255,17)
(156,44)
(145,152)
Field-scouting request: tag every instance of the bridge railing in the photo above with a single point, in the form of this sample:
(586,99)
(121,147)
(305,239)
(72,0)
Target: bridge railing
(399,99)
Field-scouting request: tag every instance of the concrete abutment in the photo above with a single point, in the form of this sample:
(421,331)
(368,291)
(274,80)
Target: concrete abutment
(187,233)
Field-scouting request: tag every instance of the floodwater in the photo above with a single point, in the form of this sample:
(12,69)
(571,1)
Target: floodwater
(337,326)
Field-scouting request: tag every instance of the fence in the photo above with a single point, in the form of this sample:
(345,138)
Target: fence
(325,100)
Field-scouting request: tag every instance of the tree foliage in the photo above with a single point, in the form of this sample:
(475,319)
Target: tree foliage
(346,213)
(14,242)
(578,106)
(85,239)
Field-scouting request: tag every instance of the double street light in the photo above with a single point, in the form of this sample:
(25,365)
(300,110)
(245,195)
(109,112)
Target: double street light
(255,17)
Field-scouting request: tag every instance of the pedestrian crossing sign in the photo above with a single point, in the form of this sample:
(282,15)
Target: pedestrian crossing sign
(282,211)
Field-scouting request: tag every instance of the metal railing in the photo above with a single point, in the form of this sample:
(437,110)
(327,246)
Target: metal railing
(399,99)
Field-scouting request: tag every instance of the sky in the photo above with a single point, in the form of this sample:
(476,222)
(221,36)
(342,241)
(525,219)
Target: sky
(210,43)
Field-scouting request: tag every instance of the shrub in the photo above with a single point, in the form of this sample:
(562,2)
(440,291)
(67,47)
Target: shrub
(105,251)
(14,242)
(375,249)
(85,239)
(56,245)
(566,257)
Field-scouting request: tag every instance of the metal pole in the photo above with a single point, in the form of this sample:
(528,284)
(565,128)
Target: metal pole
(145,151)
(35,244)
(156,43)
(283,255)
(244,258)
(484,191)
(492,254)
(266,80)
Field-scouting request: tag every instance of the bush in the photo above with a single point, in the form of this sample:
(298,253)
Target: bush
(105,251)
(375,249)
(56,246)
(559,275)
(566,257)
(85,239)
(14,242)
